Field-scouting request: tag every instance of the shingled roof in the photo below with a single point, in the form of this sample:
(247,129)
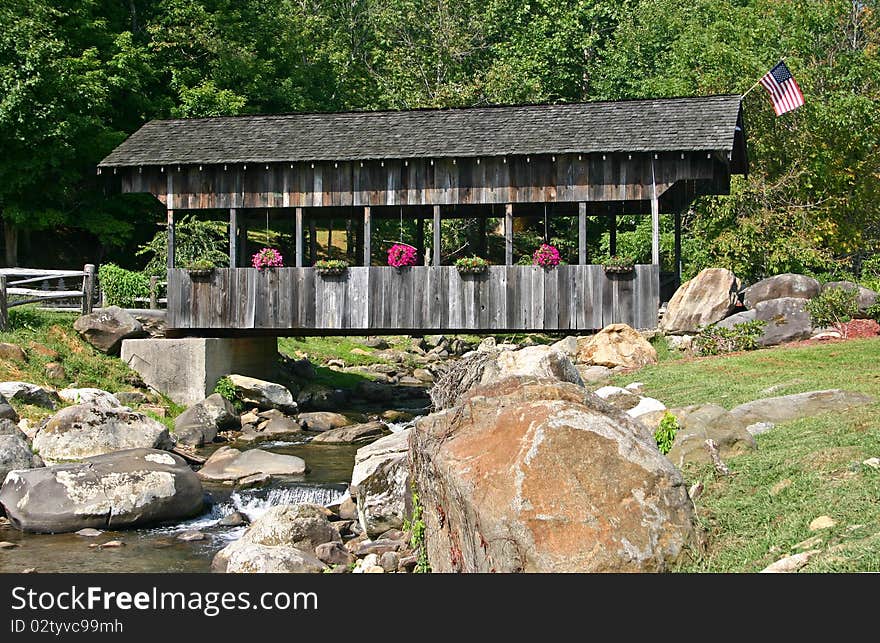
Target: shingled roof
(676,124)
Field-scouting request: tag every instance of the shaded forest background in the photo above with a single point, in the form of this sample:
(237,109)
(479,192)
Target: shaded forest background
(77,77)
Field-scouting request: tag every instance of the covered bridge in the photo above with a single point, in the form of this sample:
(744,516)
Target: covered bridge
(585,159)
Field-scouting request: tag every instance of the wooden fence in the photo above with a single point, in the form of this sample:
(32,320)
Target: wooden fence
(421,298)
(13,293)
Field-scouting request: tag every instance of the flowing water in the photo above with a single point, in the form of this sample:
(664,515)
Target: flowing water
(157,549)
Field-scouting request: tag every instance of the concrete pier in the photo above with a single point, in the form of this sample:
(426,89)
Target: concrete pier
(187,369)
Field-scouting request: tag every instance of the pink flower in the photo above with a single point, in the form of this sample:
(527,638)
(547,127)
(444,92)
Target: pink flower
(267,258)
(400,255)
(546,256)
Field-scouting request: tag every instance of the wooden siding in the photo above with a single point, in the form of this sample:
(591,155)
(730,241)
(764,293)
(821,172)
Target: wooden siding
(291,301)
(422,182)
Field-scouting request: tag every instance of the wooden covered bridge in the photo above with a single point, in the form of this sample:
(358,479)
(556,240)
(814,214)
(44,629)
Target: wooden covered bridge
(586,159)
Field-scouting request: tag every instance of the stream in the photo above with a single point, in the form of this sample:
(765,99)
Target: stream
(157,549)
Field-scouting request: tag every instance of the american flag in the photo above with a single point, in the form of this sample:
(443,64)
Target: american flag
(784,91)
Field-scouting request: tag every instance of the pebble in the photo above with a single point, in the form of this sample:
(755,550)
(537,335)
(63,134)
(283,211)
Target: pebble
(874,463)
(191,536)
(822,522)
(235,519)
(110,544)
(88,532)
(790,564)
(7,545)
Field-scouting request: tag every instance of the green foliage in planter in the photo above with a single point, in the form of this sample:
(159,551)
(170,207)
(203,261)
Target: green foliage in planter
(833,307)
(714,339)
(618,263)
(121,287)
(471,264)
(665,433)
(194,240)
(200,264)
(331,266)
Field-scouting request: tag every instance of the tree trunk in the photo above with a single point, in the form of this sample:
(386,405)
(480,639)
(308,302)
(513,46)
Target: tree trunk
(10,236)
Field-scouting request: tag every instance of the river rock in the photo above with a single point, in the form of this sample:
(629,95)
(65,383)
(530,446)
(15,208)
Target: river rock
(231,464)
(281,540)
(201,422)
(616,345)
(86,430)
(28,393)
(106,328)
(271,424)
(123,489)
(334,554)
(12,352)
(538,362)
(707,298)
(352,434)
(55,371)
(6,410)
(323,421)
(866,297)
(380,483)
(545,477)
(263,394)
(787,320)
(15,453)
(94,396)
(783,286)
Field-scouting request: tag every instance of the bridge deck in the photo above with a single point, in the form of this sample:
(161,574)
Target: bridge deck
(385,300)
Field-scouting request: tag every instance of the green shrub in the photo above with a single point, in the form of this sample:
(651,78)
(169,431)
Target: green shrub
(873,312)
(226,389)
(416,526)
(715,340)
(194,240)
(121,287)
(665,433)
(834,307)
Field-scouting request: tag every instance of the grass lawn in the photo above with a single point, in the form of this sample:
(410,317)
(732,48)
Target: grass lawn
(801,470)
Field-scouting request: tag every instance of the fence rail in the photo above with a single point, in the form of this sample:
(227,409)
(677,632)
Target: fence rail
(11,280)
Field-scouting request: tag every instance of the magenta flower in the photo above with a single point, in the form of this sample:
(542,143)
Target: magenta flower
(267,258)
(400,255)
(546,256)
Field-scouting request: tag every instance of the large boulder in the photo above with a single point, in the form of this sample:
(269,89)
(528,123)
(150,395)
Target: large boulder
(742,317)
(866,297)
(86,430)
(281,540)
(538,362)
(265,395)
(27,393)
(228,464)
(707,298)
(786,408)
(106,328)
(380,481)
(14,450)
(124,489)
(200,423)
(545,477)
(352,434)
(323,420)
(616,345)
(94,396)
(6,410)
(779,287)
(787,320)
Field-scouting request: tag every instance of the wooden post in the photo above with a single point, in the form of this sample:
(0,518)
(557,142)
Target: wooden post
(508,234)
(368,241)
(582,233)
(313,241)
(612,234)
(437,241)
(4,319)
(299,237)
(677,249)
(420,240)
(88,288)
(154,295)
(233,237)
(655,231)
(170,238)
